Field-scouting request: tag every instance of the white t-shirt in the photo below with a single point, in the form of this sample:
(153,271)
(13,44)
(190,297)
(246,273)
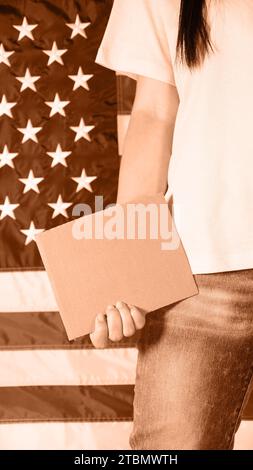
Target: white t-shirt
(211,167)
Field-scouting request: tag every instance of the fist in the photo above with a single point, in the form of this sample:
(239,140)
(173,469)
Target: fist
(118,321)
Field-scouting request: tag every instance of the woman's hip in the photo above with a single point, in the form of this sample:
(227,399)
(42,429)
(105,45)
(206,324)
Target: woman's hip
(194,366)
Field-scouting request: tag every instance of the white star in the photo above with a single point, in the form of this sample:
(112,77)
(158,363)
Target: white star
(31,233)
(29,131)
(4,55)
(31,183)
(28,81)
(60,207)
(83,181)
(25,29)
(5,107)
(82,130)
(6,157)
(57,106)
(8,209)
(59,156)
(55,54)
(78,27)
(80,79)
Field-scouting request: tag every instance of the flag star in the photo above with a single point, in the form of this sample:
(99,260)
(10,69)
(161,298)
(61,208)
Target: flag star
(31,233)
(25,29)
(60,207)
(4,55)
(59,156)
(83,181)
(6,157)
(78,27)
(57,105)
(55,54)
(80,79)
(8,209)
(29,131)
(31,183)
(82,130)
(28,80)
(5,107)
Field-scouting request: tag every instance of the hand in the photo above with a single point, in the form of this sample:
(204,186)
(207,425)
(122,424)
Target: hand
(119,321)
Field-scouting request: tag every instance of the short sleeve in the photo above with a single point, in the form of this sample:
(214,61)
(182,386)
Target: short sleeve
(135,40)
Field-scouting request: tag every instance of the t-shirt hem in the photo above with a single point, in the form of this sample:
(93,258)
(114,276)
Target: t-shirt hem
(211,264)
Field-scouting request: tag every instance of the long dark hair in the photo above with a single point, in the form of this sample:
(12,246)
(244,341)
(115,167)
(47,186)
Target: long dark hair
(193,41)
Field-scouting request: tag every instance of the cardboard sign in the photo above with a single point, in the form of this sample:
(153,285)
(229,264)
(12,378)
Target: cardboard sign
(101,258)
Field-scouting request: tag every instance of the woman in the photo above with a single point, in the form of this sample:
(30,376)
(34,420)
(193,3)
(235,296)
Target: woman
(192,117)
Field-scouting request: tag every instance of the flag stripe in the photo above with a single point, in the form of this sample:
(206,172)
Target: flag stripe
(244,436)
(68,367)
(68,403)
(65,436)
(101,435)
(122,124)
(26,291)
(44,330)
(126,89)
(248,410)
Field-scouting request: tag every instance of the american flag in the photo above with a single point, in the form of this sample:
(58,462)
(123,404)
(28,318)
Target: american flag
(63,119)
(58,147)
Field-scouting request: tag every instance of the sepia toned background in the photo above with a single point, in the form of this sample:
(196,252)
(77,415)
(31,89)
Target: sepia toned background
(63,120)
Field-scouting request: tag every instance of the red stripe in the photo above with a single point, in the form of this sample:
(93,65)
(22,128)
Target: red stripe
(32,330)
(66,403)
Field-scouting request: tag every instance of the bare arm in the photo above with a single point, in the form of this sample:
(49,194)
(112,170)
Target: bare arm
(148,142)
(143,170)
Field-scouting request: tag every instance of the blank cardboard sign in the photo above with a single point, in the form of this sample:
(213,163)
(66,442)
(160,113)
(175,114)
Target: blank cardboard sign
(101,258)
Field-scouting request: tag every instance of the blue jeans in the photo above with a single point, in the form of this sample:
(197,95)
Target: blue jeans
(194,367)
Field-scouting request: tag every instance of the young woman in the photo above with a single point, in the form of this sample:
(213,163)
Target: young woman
(192,115)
